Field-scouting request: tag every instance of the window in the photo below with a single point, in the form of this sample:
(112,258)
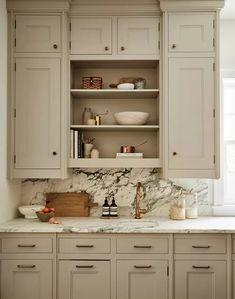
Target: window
(225,187)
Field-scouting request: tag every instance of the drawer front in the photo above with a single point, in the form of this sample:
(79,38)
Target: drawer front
(27,245)
(142,245)
(200,245)
(78,245)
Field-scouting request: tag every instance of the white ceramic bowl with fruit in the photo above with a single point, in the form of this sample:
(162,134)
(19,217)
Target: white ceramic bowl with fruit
(29,212)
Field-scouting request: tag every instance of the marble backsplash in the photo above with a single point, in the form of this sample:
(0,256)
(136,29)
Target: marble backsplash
(100,183)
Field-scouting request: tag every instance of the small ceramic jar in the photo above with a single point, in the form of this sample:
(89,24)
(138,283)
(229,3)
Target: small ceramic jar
(95,154)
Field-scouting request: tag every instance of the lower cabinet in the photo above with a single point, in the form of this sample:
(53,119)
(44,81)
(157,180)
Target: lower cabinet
(138,279)
(84,279)
(200,279)
(26,279)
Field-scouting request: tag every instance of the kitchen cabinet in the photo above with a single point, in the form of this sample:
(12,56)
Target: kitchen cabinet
(37,113)
(26,279)
(138,279)
(37,33)
(91,35)
(117,36)
(84,279)
(204,279)
(191,113)
(191,32)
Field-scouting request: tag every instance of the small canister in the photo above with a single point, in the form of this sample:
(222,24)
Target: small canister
(95,153)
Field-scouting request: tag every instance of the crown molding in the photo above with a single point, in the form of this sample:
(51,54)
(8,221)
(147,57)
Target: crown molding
(35,5)
(192,5)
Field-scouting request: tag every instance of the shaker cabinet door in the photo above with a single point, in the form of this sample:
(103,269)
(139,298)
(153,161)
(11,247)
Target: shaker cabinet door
(200,279)
(138,279)
(37,117)
(191,32)
(191,114)
(36,33)
(138,36)
(84,279)
(26,279)
(91,35)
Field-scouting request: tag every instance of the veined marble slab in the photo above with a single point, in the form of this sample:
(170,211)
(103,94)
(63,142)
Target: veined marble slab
(122,225)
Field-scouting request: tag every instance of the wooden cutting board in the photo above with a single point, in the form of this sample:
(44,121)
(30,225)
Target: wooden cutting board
(69,204)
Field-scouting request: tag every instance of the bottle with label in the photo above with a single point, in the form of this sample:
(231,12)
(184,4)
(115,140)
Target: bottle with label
(113,209)
(105,208)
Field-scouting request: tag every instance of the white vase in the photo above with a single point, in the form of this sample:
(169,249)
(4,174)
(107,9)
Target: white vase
(87,149)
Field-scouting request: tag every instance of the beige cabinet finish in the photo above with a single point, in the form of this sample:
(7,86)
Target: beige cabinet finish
(84,279)
(204,279)
(91,35)
(37,122)
(85,245)
(138,36)
(191,113)
(35,33)
(137,279)
(191,32)
(26,279)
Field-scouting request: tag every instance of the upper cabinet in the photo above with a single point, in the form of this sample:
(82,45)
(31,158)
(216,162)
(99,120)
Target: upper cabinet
(191,32)
(115,35)
(91,35)
(138,36)
(37,33)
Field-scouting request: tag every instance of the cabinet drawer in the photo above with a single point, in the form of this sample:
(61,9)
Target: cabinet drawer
(78,245)
(27,245)
(142,245)
(200,245)
(191,32)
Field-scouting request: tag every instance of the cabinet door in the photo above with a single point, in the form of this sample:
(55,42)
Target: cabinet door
(26,279)
(37,122)
(138,36)
(84,279)
(200,279)
(91,35)
(38,33)
(191,110)
(138,279)
(191,32)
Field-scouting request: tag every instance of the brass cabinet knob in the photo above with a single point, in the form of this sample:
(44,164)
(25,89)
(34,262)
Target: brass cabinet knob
(106,48)
(55,46)
(54,153)
(122,48)
(174,153)
(173,46)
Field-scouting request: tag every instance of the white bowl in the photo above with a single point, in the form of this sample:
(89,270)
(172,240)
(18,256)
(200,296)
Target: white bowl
(126,86)
(131,118)
(29,212)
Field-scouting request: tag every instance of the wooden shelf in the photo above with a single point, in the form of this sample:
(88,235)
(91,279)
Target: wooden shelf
(115,93)
(116,128)
(115,163)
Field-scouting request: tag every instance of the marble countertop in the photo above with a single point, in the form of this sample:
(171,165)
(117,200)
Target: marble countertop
(122,225)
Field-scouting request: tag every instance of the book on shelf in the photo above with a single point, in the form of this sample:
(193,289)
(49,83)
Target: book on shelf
(129,155)
(76,144)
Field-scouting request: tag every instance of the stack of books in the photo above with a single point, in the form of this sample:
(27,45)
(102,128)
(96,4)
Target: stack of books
(76,144)
(129,155)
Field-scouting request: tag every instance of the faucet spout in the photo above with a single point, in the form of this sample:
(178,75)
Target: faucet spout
(138,210)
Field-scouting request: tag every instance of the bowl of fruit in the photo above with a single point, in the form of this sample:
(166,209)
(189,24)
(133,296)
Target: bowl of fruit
(46,214)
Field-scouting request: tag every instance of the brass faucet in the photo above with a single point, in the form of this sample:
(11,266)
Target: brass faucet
(138,210)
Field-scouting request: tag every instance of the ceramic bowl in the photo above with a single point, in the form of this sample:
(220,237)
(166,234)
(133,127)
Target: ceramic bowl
(45,217)
(29,212)
(126,86)
(131,118)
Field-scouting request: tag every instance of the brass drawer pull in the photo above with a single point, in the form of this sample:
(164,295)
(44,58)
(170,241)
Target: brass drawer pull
(84,266)
(143,267)
(26,245)
(205,247)
(201,267)
(142,246)
(26,266)
(84,246)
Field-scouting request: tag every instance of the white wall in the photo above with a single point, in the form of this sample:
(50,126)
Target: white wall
(227,48)
(9,190)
